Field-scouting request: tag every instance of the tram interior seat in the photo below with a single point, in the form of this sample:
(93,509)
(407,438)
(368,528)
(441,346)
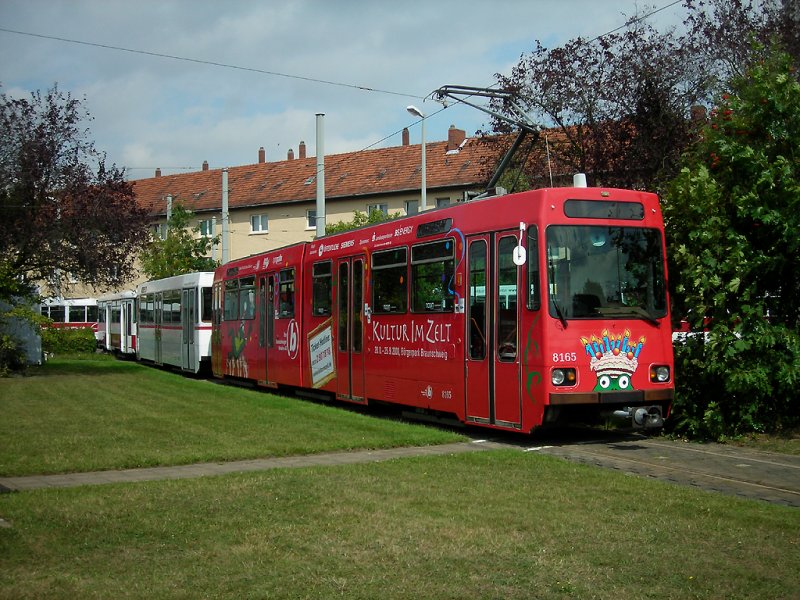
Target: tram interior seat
(585,304)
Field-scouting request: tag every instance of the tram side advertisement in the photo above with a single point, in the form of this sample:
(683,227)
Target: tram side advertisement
(429,339)
(320,352)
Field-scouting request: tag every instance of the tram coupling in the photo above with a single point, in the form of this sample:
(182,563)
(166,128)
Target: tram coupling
(642,417)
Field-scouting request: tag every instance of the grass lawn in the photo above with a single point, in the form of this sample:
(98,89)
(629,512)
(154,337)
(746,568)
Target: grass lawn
(786,442)
(99,413)
(496,524)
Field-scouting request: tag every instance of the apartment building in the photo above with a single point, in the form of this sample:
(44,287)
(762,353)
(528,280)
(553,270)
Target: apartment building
(272,204)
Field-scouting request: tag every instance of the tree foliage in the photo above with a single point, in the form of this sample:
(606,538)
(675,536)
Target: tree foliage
(182,251)
(621,104)
(65,214)
(608,98)
(360,219)
(732,220)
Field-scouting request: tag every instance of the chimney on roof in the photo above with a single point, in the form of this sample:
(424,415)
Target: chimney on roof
(405,136)
(290,154)
(205,165)
(262,155)
(302,151)
(158,171)
(455,137)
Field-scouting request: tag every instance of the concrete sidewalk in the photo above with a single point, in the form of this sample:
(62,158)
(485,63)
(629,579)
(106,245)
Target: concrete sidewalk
(18,484)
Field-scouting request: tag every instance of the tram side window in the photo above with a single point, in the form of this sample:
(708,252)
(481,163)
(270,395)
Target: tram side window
(206,308)
(91,313)
(286,294)
(432,268)
(477,300)
(321,289)
(171,307)
(76,314)
(506,300)
(389,281)
(57,313)
(216,309)
(146,315)
(231,300)
(247,297)
(534,299)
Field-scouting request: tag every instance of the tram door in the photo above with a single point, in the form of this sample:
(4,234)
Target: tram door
(159,317)
(492,353)
(130,319)
(350,328)
(266,326)
(114,327)
(188,319)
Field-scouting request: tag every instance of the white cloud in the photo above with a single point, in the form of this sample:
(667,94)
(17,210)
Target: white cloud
(154,111)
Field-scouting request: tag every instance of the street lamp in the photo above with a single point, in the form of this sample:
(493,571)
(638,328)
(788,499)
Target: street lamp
(423,204)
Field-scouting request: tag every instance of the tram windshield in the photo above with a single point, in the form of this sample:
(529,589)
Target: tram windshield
(600,272)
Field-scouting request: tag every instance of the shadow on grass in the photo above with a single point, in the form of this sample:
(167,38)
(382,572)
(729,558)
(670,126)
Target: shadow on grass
(88,365)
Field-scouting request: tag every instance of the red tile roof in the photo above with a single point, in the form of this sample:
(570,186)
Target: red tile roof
(349,175)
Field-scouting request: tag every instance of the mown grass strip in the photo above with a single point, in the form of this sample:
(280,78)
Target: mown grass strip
(496,524)
(83,415)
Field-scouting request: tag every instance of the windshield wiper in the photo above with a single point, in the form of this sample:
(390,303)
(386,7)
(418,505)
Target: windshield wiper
(559,313)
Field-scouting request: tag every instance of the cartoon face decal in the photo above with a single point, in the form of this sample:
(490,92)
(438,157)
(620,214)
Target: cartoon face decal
(614,359)
(612,383)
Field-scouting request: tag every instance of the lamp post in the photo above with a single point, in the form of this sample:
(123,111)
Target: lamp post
(423,204)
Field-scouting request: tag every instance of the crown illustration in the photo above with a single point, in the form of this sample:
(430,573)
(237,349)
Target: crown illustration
(613,354)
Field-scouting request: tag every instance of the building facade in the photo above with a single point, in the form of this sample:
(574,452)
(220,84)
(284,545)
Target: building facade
(273,204)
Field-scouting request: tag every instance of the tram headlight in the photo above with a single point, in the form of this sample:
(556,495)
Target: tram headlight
(562,377)
(659,374)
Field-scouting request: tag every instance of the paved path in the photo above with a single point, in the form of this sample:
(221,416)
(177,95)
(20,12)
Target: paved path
(732,470)
(18,484)
(726,469)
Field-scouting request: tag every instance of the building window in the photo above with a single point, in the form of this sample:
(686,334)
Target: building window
(412,207)
(384,208)
(206,228)
(442,202)
(259,224)
(311,219)
(160,231)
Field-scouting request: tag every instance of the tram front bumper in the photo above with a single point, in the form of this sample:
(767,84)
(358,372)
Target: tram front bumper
(644,408)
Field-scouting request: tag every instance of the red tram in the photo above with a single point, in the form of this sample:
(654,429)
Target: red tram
(508,312)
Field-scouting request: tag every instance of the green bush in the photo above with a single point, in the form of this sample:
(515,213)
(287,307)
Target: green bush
(12,356)
(68,340)
(731,384)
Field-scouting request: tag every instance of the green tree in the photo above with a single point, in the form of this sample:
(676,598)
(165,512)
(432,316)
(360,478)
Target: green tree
(623,102)
(360,219)
(64,212)
(182,251)
(733,216)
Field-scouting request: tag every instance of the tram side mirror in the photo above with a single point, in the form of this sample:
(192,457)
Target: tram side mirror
(519,255)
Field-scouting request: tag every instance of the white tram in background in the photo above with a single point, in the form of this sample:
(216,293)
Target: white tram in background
(174,326)
(72,313)
(116,322)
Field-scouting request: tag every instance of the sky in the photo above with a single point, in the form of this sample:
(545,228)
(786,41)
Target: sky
(277,64)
